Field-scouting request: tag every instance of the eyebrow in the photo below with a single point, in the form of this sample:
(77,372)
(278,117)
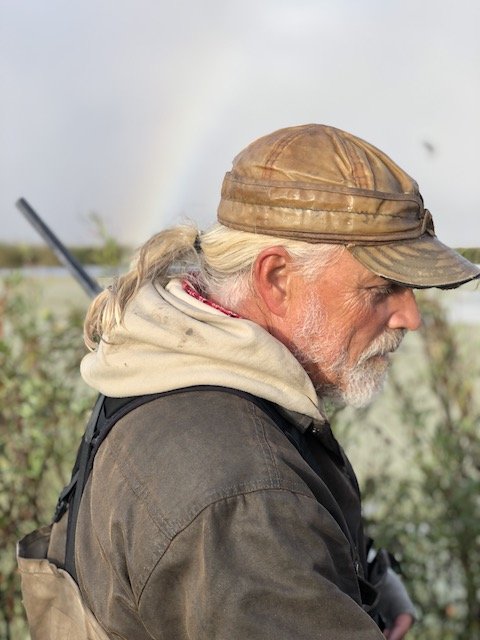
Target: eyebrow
(377,281)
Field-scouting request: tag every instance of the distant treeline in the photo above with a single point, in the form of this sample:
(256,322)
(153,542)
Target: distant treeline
(20,255)
(111,253)
(472,254)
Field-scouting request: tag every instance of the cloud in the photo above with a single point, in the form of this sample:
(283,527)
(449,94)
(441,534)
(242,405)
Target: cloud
(135,110)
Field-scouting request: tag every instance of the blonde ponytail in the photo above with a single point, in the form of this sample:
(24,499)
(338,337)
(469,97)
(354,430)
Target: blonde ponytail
(172,249)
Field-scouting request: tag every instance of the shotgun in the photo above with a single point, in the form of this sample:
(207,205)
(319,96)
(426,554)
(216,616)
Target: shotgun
(90,286)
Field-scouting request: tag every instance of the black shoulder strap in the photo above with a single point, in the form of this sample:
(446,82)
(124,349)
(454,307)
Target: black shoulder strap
(101,421)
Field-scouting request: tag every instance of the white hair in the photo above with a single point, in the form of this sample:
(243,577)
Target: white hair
(228,257)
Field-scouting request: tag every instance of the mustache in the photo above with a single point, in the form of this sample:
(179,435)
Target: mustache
(387,342)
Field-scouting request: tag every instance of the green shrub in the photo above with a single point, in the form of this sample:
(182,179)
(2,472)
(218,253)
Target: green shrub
(43,408)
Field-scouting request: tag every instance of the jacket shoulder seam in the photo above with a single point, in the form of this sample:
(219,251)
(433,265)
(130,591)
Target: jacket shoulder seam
(291,490)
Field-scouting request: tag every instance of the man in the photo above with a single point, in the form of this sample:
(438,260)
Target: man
(225,508)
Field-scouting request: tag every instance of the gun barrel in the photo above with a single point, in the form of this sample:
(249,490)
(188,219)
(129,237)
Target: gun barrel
(91,286)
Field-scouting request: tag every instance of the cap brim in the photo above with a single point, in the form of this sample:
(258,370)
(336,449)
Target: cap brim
(420,263)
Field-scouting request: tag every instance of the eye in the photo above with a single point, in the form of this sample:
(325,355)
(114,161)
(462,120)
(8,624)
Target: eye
(382,292)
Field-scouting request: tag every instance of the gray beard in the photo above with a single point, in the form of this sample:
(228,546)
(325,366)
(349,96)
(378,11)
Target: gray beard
(365,379)
(360,382)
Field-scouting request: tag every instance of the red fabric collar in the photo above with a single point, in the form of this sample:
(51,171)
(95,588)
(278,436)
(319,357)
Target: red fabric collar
(187,287)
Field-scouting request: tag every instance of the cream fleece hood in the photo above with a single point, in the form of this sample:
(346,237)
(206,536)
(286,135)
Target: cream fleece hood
(170,340)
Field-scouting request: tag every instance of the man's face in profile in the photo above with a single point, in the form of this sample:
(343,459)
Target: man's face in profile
(346,325)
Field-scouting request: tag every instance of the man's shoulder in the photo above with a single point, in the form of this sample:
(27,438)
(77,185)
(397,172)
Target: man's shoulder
(172,459)
(193,447)
(176,463)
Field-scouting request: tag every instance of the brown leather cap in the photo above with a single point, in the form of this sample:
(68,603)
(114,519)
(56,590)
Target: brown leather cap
(320,184)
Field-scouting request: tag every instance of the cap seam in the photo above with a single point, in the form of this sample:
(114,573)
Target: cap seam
(354,159)
(351,211)
(282,145)
(305,186)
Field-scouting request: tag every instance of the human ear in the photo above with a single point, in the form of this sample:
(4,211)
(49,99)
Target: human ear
(271,277)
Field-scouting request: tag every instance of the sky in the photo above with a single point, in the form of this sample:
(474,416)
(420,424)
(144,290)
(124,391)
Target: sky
(134,110)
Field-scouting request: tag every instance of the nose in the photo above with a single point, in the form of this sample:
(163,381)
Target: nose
(406,314)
